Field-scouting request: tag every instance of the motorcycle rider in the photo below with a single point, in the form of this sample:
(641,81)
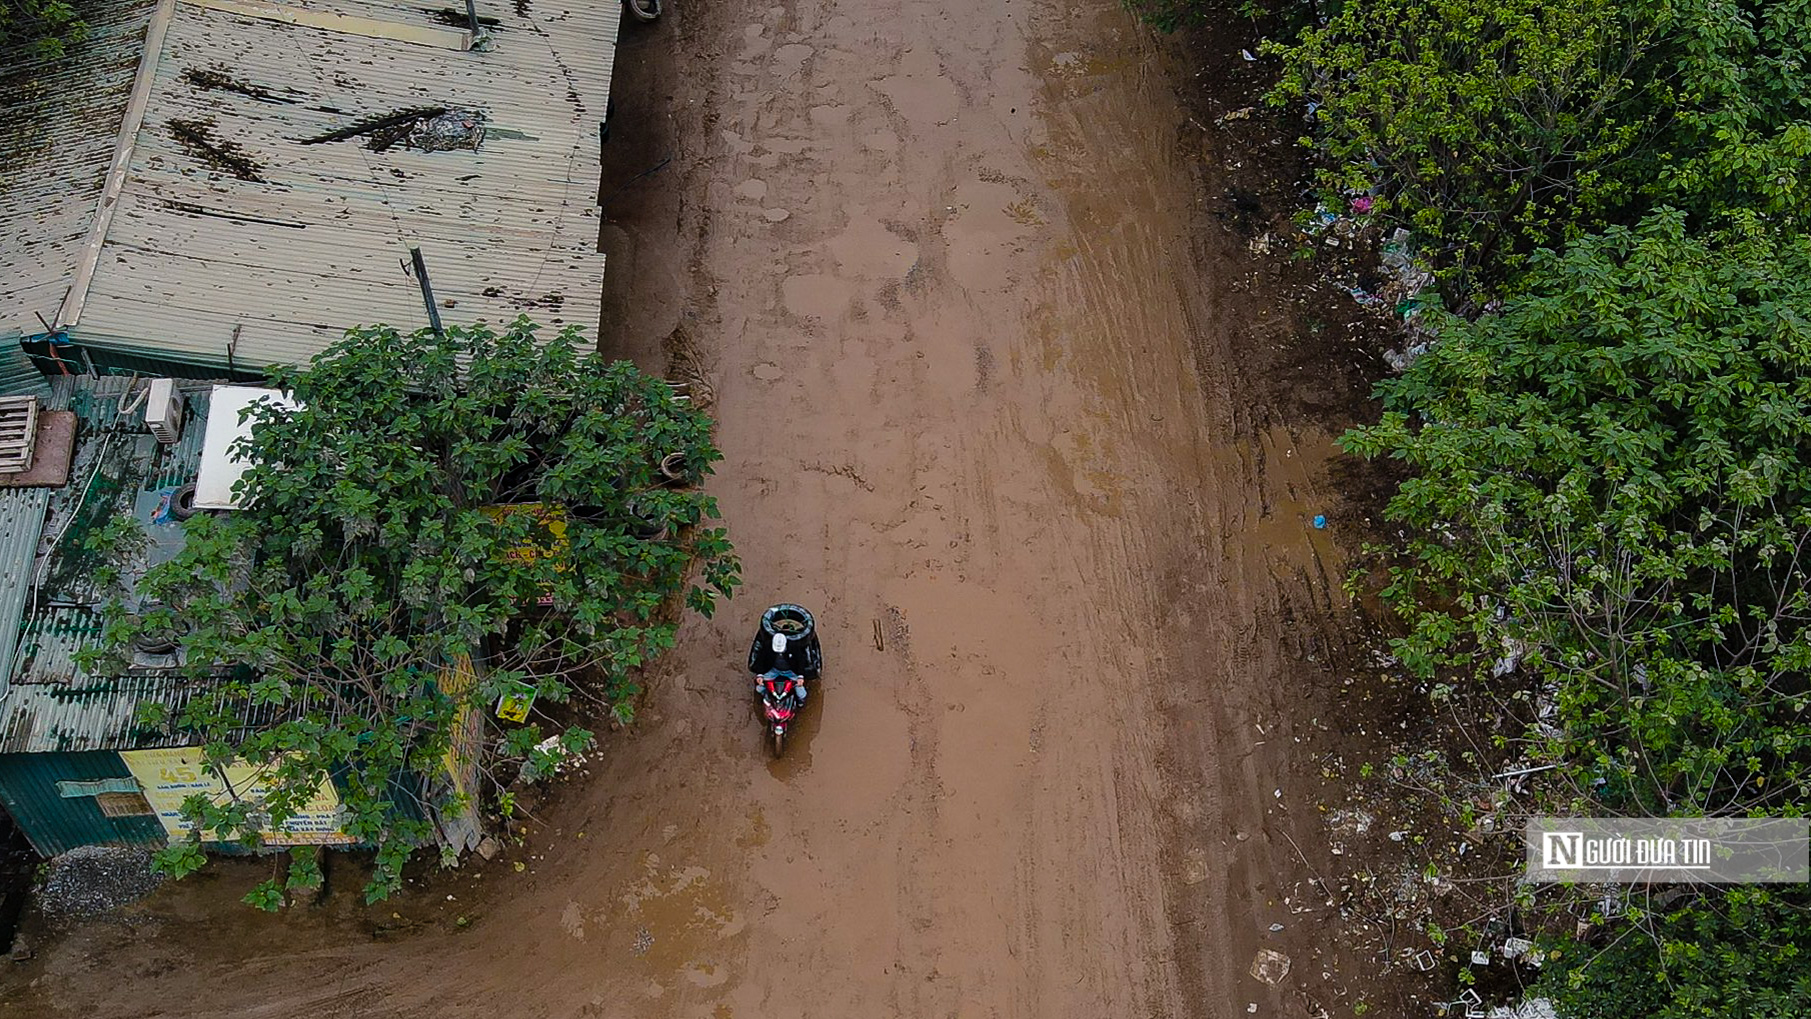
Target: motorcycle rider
(779,670)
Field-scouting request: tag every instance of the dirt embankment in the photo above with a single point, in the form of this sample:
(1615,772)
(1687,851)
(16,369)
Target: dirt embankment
(1008,402)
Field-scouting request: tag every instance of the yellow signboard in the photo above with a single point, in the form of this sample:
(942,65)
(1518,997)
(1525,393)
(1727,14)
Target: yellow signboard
(513,705)
(168,777)
(551,520)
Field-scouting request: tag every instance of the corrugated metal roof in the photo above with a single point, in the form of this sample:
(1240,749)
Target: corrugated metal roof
(56,140)
(21,525)
(37,718)
(18,376)
(237,227)
(22,515)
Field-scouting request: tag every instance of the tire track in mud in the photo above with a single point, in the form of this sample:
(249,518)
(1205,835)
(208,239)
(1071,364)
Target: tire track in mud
(971,383)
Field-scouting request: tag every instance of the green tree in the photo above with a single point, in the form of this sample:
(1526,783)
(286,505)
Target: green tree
(1495,127)
(1737,953)
(323,619)
(1616,473)
(1473,119)
(42,28)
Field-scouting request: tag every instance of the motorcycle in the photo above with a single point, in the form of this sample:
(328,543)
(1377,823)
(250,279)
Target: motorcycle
(784,656)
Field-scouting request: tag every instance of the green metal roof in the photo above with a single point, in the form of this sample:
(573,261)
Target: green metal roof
(18,376)
(48,595)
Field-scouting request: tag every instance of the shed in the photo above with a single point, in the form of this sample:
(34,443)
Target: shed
(81,760)
(266,168)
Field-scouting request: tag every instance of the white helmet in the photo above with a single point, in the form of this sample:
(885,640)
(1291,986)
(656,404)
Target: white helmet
(779,643)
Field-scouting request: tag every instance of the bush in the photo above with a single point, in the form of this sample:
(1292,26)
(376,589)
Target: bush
(1616,471)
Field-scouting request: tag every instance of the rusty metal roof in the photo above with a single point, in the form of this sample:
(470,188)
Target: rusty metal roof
(62,116)
(286,156)
(57,718)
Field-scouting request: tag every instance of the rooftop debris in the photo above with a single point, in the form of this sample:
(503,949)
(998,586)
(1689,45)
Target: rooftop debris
(216,79)
(197,139)
(428,128)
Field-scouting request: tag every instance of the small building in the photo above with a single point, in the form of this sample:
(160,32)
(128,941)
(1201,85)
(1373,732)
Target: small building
(210,187)
(82,762)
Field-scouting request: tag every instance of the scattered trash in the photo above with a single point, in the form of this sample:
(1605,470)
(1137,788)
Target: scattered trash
(1251,1006)
(1261,245)
(1239,114)
(1480,958)
(1362,204)
(1399,362)
(1247,55)
(91,880)
(1533,1008)
(1423,960)
(1275,927)
(1270,966)
(1397,836)
(1515,948)
(1320,522)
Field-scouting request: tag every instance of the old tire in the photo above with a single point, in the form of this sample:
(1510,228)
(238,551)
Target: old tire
(182,503)
(643,10)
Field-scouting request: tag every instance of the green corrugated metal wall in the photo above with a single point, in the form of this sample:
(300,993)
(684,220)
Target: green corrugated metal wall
(119,359)
(18,376)
(28,785)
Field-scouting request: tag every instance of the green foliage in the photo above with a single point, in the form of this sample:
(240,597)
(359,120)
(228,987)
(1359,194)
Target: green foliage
(41,28)
(178,860)
(267,896)
(1494,127)
(1615,473)
(1610,472)
(1473,118)
(325,616)
(1741,953)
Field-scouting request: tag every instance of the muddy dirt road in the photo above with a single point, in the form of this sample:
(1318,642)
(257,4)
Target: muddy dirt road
(979,393)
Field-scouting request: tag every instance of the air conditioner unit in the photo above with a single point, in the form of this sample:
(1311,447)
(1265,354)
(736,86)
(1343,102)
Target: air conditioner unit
(163,410)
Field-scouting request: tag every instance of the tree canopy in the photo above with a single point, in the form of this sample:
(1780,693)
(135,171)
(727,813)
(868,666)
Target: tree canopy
(1608,468)
(1496,127)
(44,28)
(1616,471)
(432,500)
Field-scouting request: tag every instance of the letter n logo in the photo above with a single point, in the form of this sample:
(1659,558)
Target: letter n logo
(1560,849)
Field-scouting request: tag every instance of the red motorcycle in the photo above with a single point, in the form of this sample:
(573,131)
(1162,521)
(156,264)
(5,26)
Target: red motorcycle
(785,654)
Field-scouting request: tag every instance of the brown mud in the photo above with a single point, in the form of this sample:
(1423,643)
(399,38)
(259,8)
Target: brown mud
(998,379)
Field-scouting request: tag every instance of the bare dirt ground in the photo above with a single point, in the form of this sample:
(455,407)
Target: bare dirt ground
(997,382)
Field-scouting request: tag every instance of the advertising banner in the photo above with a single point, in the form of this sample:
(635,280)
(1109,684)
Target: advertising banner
(170,776)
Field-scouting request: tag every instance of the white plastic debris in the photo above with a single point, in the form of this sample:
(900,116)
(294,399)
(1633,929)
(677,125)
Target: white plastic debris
(1270,966)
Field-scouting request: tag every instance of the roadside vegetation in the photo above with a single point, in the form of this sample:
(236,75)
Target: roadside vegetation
(40,28)
(454,553)
(1606,424)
